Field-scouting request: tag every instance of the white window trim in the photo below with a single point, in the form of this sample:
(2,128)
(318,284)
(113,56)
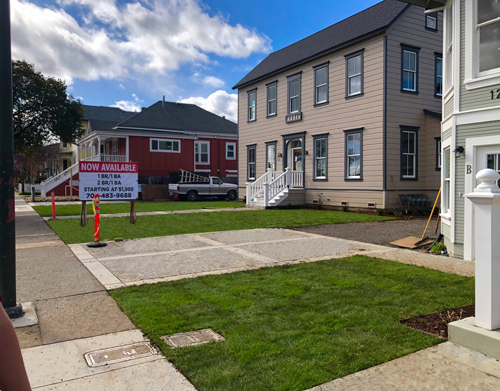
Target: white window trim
(447,216)
(473,78)
(436,57)
(234,151)
(449,67)
(163,139)
(250,106)
(199,162)
(347,156)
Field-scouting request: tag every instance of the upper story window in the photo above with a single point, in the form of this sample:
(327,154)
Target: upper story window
(252,105)
(162,145)
(354,74)
(448,47)
(321,84)
(294,94)
(409,69)
(482,43)
(438,82)
(271,99)
(438,153)
(487,30)
(65,145)
(202,152)
(231,151)
(431,21)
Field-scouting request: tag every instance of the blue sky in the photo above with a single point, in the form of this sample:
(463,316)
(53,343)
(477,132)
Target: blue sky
(130,53)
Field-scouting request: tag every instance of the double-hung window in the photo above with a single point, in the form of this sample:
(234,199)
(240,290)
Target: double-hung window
(487,37)
(409,148)
(354,74)
(272,89)
(438,82)
(321,84)
(202,152)
(431,21)
(251,162)
(320,157)
(271,156)
(231,151)
(409,69)
(252,105)
(354,154)
(438,153)
(162,145)
(294,93)
(446,181)
(448,47)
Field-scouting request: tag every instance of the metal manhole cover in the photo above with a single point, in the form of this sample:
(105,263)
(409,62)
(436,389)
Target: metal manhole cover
(120,353)
(192,338)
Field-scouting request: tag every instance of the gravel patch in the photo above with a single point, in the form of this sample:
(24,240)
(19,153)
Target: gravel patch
(378,232)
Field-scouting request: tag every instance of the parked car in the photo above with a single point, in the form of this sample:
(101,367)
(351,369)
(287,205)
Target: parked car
(203,186)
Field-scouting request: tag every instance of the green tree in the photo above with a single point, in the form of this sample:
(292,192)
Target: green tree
(43,112)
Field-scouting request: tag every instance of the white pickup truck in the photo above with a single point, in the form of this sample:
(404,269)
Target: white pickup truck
(211,186)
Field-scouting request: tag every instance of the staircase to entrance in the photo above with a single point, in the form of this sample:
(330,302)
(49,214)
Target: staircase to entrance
(273,188)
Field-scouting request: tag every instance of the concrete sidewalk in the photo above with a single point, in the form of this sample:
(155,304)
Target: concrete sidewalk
(76,316)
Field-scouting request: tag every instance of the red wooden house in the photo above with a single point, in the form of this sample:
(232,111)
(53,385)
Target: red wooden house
(162,139)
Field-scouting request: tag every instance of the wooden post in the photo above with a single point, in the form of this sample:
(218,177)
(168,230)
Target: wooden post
(133,216)
(83,214)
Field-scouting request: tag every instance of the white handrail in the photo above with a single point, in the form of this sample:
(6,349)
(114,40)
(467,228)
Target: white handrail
(56,180)
(272,183)
(256,188)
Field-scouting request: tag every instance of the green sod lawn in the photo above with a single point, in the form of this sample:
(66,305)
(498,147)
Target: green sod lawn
(294,327)
(124,207)
(111,228)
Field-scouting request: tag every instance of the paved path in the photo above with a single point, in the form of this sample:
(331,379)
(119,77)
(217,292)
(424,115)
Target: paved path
(76,315)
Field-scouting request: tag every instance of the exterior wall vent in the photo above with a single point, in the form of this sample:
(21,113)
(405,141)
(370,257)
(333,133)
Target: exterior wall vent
(344,203)
(372,205)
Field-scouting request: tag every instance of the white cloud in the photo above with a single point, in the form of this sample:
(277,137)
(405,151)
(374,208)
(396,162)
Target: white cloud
(212,81)
(220,103)
(118,39)
(130,105)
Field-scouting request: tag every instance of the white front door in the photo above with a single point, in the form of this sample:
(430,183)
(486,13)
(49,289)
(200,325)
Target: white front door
(481,152)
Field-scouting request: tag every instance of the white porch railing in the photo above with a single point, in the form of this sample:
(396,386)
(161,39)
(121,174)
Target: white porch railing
(272,185)
(56,180)
(107,158)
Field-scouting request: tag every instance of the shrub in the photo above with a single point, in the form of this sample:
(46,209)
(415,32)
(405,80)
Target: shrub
(438,248)
(398,214)
(345,208)
(380,212)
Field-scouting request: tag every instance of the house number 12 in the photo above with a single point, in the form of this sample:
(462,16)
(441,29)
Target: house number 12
(493,94)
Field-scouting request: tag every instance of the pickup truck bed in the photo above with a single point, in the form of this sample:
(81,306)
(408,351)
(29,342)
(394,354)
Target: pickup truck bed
(214,187)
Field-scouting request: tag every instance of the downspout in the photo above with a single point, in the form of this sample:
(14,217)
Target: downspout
(384,129)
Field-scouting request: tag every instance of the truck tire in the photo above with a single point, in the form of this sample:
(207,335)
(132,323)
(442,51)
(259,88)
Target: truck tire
(192,195)
(231,194)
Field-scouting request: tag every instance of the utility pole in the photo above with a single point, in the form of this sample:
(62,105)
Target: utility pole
(7,209)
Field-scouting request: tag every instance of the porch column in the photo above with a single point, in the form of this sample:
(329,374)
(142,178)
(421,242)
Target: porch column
(127,155)
(99,148)
(486,204)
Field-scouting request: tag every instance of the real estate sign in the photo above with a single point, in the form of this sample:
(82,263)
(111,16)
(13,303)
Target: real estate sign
(111,180)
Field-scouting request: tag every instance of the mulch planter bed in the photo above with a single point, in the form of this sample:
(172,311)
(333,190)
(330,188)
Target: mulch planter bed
(436,323)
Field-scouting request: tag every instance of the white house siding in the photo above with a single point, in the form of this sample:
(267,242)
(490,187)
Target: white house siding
(406,109)
(340,114)
(449,106)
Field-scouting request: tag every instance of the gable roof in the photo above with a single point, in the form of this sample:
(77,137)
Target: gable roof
(179,116)
(103,113)
(364,24)
(429,4)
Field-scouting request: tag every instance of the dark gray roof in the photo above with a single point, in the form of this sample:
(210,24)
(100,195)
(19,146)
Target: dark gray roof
(97,124)
(359,26)
(179,116)
(103,113)
(429,4)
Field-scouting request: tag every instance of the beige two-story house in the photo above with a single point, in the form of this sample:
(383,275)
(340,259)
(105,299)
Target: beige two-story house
(347,116)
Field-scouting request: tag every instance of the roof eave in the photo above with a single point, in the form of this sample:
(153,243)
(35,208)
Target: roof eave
(319,54)
(428,4)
